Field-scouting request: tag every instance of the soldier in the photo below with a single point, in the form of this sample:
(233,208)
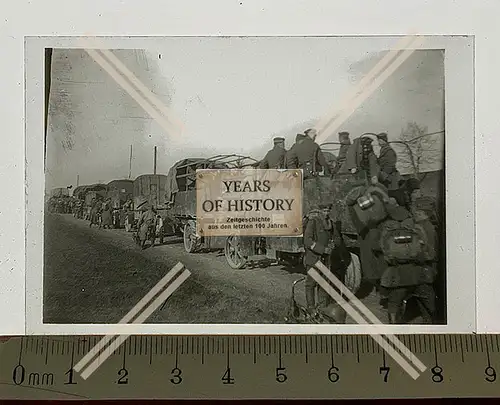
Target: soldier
(360,156)
(389,176)
(345,143)
(307,155)
(404,281)
(275,158)
(320,238)
(146,225)
(290,157)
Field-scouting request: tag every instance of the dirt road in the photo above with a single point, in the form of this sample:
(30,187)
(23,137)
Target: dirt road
(97,275)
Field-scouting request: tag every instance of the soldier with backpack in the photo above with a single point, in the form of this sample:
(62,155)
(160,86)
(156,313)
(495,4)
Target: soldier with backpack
(408,243)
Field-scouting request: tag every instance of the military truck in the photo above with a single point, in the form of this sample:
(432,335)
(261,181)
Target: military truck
(180,198)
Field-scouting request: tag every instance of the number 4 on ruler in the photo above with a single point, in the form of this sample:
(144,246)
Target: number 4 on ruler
(226,378)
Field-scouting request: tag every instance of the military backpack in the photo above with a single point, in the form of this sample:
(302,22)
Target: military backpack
(367,206)
(405,242)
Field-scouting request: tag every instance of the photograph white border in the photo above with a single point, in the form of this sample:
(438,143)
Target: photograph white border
(459,131)
(258,17)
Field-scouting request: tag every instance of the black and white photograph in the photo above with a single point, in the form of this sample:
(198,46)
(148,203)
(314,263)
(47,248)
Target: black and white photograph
(123,130)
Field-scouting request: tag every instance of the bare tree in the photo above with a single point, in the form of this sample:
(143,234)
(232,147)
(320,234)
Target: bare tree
(419,149)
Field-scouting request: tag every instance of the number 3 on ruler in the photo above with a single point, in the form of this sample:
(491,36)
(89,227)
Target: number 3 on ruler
(176,376)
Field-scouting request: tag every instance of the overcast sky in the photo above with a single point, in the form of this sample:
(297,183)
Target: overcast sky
(232,94)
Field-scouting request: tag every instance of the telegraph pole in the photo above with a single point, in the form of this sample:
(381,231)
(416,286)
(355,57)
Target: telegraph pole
(154,169)
(130,164)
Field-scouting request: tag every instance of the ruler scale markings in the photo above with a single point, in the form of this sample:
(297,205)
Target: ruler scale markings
(254,352)
(280,365)
(47,351)
(176,354)
(481,343)
(435,352)
(492,347)
(306,351)
(21,350)
(52,344)
(37,344)
(182,344)
(496,339)
(488,355)
(357,351)
(151,350)
(453,343)
(124,353)
(462,349)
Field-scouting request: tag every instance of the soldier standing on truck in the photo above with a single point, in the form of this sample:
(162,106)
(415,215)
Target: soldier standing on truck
(307,155)
(360,156)
(275,158)
(345,143)
(389,175)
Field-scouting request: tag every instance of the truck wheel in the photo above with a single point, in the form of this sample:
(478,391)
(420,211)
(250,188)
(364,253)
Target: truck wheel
(232,251)
(353,274)
(192,243)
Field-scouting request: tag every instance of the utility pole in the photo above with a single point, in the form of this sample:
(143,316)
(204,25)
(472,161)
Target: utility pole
(154,169)
(130,164)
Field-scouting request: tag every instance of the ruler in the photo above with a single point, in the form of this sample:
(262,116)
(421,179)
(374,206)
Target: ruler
(250,367)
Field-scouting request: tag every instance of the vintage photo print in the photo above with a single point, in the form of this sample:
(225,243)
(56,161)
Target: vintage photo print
(250,184)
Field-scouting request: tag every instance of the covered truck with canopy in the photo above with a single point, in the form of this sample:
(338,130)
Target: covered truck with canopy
(180,197)
(120,191)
